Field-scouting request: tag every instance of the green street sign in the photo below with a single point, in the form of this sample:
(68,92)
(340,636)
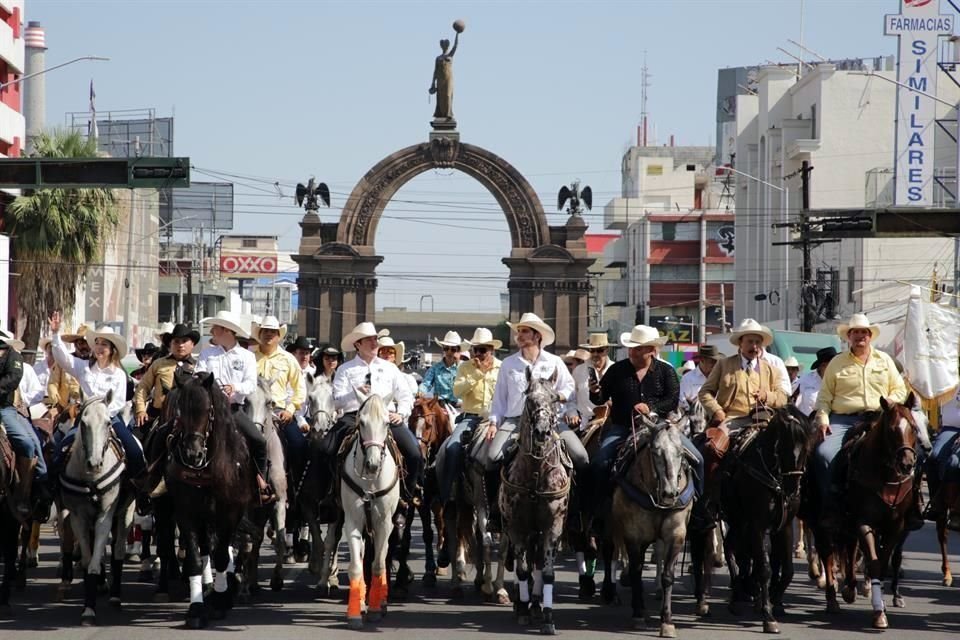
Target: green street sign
(84,173)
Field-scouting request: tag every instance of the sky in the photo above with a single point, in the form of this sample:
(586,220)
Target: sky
(279,91)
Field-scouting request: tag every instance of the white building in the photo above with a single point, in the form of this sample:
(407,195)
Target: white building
(842,122)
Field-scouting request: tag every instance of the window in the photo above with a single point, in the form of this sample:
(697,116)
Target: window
(669,231)
(249,243)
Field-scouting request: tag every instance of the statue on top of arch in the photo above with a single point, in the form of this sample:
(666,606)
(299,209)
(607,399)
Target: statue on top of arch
(442,85)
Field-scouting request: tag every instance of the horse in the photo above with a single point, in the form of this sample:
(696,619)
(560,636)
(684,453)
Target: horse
(652,503)
(879,489)
(93,490)
(430,421)
(261,413)
(760,495)
(9,525)
(697,417)
(209,475)
(534,496)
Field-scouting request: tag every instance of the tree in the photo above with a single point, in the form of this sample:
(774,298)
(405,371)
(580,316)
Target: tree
(57,234)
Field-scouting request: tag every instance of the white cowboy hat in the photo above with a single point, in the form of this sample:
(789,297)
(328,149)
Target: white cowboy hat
(858,321)
(791,363)
(165,328)
(43,343)
(269,322)
(398,347)
(596,341)
(452,339)
(111,336)
(570,356)
(533,321)
(229,321)
(361,331)
(749,326)
(642,336)
(483,337)
(582,354)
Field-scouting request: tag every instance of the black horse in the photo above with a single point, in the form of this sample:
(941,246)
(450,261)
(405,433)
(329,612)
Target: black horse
(209,475)
(9,526)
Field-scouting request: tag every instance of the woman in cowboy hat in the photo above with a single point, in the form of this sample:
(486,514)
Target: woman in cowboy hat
(102,374)
(597,350)
(691,383)
(157,381)
(327,359)
(438,381)
(473,387)
(235,370)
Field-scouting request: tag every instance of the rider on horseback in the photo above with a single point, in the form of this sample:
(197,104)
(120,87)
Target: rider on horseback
(582,411)
(235,370)
(438,381)
(691,383)
(808,385)
(157,382)
(287,388)
(943,467)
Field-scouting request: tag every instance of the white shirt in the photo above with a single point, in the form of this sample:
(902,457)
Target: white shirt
(31,391)
(94,381)
(950,412)
(808,388)
(581,380)
(385,381)
(777,363)
(236,367)
(42,369)
(508,395)
(690,385)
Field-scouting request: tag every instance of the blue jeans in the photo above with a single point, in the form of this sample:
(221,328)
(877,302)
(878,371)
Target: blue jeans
(826,453)
(453,454)
(944,462)
(132,449)
(24,439)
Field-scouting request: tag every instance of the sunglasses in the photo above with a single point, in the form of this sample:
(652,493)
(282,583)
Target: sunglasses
(454,349)
(599,350)
(480,350)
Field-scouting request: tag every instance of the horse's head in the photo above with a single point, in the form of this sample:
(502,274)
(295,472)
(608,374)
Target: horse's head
(539,412)
(93,432)
(373,427)
(898,434)
(697,416)
(793,435)
(320,409)
(430,421)
(667,452)
(261,405)
(194,419)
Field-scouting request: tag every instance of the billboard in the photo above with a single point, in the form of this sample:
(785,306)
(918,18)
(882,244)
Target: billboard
(204,205)
(247,265)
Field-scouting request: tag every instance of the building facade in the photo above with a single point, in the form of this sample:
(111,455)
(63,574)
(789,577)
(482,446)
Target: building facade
(12,133)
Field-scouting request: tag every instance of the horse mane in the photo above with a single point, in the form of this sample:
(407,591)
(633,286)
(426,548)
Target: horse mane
(801,428)
(230,462)
(375,411)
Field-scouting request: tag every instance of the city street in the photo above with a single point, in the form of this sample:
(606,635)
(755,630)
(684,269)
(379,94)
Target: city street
(932,610)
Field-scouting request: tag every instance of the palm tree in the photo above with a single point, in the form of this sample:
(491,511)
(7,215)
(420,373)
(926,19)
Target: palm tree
(56,234)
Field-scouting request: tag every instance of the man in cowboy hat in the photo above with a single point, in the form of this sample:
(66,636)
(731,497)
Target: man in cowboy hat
(641,384)
(853,384)
(438,381)
(531,334)
(368,373)
(235,370)
(691,383)
(145,355)
(473,386)
(81,347)
(302,350)
(23,439)
(793,373)
(157,381)
(808,385)
(586,374)
(287,388)
(394,352)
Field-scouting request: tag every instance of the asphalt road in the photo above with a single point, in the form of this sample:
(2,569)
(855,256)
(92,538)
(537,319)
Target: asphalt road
(932,610)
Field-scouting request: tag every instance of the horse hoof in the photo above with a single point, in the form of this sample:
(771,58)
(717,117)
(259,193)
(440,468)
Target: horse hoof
(703,609)
(429,580)
(771,626)
(548,629)
(821,582)
(88,618)
(276,583)
(880,620)
(115,602)
(947,580)
(160,597)
(865,589)
(898,602)
(443,571)
(503,598)
(668,631)
(849,594)
(355,623)
(374,616)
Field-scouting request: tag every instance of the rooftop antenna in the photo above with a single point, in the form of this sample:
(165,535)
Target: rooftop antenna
(810,51)
(800,65)
(644,83)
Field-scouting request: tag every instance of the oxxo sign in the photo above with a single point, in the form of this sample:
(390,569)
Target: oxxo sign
(919,26)
(247,265)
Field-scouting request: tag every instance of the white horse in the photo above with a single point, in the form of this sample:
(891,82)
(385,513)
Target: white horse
(369,493)
(94,494)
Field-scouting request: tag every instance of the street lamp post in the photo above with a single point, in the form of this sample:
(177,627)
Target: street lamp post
(4,85)
(786,254)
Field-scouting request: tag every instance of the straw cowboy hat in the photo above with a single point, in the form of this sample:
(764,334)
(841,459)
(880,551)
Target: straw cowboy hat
(81,333)
(269,322)
(11,341)
(751,326)
(596,341)
(791,363)
(361,331)
(642,336)
(858,321)
(165,329)
(582,354)
(569,356)
(230,321)
(452,339)
(43,343)
(388,342)
(111,336)
(533,321)
(482,337)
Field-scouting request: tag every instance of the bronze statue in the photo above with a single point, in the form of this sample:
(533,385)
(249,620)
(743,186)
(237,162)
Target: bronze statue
(442,85)
(311,193)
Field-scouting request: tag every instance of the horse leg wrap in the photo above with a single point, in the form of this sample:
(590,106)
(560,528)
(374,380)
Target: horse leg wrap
(524,590)
(548,596)
(378,592)
(876,595)
(355,603)
(207,571)
(220,582)
(581,564)
(196,589)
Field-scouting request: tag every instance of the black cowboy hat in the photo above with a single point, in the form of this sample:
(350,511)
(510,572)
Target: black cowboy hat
(823,356)
(708,351)
(183,331)
(302,342)
(148,349)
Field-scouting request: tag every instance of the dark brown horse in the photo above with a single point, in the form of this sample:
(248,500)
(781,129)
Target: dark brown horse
(9,526)
(879,494)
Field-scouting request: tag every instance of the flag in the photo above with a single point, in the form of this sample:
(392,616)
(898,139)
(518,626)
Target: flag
(92,129)
(931,335)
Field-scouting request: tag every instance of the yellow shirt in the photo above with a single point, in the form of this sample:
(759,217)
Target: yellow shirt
(475,387)
(850,386)
(282,371)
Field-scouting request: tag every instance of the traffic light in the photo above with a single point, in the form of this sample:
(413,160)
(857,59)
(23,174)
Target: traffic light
(80,173)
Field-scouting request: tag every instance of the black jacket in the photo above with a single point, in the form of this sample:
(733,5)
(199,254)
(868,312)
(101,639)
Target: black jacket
(11,371)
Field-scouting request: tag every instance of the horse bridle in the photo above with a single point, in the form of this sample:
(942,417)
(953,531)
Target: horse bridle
(179,438)
(79,422)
